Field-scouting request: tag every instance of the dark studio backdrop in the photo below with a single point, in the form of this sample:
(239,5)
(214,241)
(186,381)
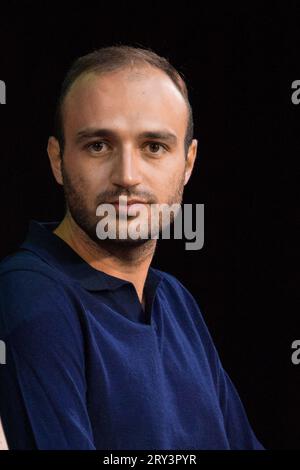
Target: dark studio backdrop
(239,66)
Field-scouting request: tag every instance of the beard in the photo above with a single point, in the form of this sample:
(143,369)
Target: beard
(87,220)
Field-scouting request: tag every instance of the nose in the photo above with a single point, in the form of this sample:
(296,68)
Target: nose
(125,171)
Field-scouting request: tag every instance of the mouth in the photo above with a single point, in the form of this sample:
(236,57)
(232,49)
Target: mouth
(122,205)
(128,203)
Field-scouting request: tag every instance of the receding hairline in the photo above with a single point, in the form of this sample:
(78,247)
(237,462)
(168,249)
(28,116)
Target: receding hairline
(135,70)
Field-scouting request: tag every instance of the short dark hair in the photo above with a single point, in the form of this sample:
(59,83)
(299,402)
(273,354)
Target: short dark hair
(111,58)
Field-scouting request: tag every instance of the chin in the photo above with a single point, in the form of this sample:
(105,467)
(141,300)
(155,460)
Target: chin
(123,242)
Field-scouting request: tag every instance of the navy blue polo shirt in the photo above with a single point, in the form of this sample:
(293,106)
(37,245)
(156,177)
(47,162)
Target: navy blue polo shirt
(88,368)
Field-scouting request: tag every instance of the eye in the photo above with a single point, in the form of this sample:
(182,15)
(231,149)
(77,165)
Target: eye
(96,146)
(155,146)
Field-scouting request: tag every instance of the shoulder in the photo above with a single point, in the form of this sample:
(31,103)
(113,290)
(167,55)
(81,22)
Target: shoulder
(180,299)
(23,260)
(176,289)
(24,272)
(184,305)
(30,289)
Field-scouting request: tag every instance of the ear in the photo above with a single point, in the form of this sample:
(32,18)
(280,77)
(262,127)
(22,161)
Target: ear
(190,160)
(54,155)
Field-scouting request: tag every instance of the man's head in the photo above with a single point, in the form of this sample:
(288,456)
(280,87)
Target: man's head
(124,126)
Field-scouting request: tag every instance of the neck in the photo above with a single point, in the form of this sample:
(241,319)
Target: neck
(126,262)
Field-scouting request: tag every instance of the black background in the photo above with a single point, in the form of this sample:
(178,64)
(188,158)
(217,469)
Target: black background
(239,65)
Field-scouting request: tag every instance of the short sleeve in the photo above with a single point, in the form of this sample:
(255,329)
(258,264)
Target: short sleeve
(42,385)
(238,429)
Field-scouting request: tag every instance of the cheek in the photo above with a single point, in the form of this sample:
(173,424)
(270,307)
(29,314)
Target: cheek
(166,169)
(167,188)
(169,177)
(87,177)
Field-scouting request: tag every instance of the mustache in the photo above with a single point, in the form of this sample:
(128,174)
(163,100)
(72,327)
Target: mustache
(107,196)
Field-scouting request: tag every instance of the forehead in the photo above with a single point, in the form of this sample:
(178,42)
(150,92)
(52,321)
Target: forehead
(128,99)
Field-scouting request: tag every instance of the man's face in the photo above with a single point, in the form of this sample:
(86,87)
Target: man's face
(124,135)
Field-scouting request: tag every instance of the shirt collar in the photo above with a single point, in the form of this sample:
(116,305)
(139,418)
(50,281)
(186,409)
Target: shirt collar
(56,252)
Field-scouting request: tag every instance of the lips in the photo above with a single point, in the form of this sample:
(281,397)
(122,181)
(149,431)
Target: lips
(128,203)
(123,207)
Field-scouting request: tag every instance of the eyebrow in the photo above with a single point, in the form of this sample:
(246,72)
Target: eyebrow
(90,133)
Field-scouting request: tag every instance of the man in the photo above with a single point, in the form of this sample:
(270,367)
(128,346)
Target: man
(103,351)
